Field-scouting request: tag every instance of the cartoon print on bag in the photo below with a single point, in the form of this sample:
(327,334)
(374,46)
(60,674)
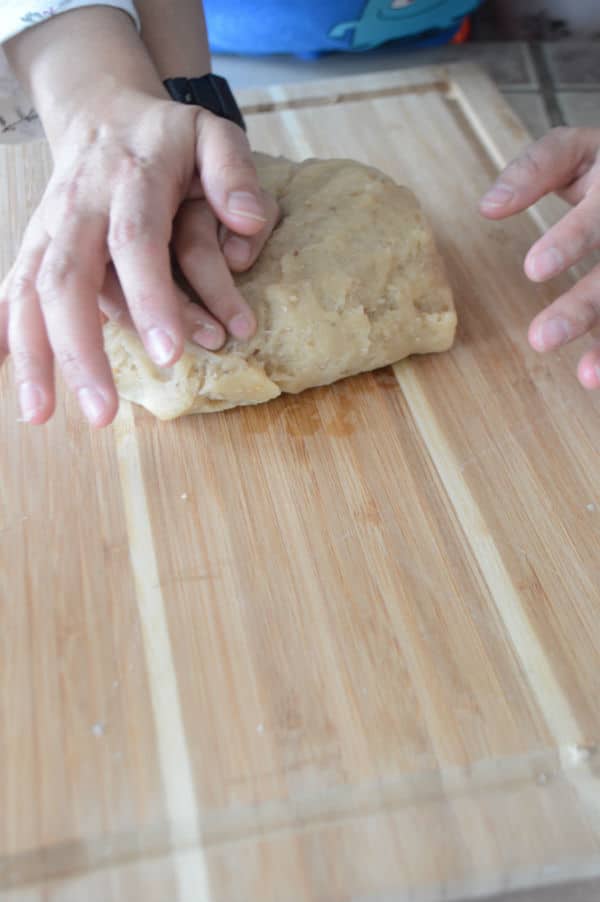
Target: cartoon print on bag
(384,20)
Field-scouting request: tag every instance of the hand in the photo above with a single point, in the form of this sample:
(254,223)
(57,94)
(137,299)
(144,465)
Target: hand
(116,188)
(128,162)
(207,253)
(566,161)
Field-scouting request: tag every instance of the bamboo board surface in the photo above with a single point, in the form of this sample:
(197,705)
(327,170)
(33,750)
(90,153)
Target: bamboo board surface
(341,646)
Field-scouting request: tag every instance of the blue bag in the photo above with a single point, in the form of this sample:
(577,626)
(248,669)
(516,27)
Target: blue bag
(316,26)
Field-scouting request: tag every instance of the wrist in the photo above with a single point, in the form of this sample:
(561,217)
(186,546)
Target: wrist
(80,64)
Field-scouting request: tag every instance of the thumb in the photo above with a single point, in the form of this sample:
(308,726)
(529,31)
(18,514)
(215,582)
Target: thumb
(228,175)
(548,165)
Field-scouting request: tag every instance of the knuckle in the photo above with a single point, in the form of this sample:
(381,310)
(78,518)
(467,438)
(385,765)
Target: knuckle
(64,194)
(578,236)
(70,363)
(22,284)
(529,165)
(586,312)
(145,305)
(235,167)
(55,273)
(129,229)
(134,166)
(541,156)
(25,361)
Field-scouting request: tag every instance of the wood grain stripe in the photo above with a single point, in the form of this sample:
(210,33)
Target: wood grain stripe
(178,784)
(576,756)
(550,696)
(281,102)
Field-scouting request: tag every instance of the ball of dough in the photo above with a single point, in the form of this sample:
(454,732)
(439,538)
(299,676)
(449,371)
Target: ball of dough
(349,281)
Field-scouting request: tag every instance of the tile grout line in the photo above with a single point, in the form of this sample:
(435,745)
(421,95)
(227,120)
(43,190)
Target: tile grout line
(546,87)
(190,865)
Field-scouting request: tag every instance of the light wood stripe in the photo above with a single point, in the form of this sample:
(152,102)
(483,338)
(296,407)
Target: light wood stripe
(549,693)
(302,146)
(574,754)
(178,784)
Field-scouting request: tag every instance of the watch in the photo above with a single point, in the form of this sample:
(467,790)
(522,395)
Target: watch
(211,92)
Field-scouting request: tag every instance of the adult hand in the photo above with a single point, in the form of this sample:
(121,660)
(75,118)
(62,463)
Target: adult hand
(567,162)
(128,162)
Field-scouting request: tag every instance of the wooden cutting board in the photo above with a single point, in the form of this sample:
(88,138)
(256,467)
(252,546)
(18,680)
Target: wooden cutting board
(341,646)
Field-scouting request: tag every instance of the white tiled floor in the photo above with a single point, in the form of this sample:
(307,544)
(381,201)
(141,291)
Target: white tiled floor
(531,110)
(571,70)
(580,107)
(509,64)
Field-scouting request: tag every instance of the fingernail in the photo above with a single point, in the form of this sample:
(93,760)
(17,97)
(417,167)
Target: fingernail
(241,326)
(30,400)
(161,346)
(92,403)
(498,196)
(209,336)
(238,249)
(546,263)
(552,333)
(245,204)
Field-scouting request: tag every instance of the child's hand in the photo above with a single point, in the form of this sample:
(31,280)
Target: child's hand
(566,161)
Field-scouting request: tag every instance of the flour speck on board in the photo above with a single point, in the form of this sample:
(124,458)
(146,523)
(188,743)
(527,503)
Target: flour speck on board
(184,496)
(579,753)
(260,728)
(591,507)
(99,729)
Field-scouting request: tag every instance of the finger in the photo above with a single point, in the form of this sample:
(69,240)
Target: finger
(547,165)
(228,175)
(111,300)
(570,316)
(27,338)
(241,252)
(588,371)
(68,283)
(201,260)
(567,242)
(33,236)
(138,241)
(202,328)
(4,321)
(32,357)
(199,326)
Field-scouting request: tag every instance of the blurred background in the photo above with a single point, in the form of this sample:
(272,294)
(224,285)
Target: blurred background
(540,20)
(544,55)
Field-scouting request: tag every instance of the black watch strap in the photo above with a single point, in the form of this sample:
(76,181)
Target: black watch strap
(210,92)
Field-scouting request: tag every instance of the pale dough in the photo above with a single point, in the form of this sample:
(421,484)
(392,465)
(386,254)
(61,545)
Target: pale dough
(349,281)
